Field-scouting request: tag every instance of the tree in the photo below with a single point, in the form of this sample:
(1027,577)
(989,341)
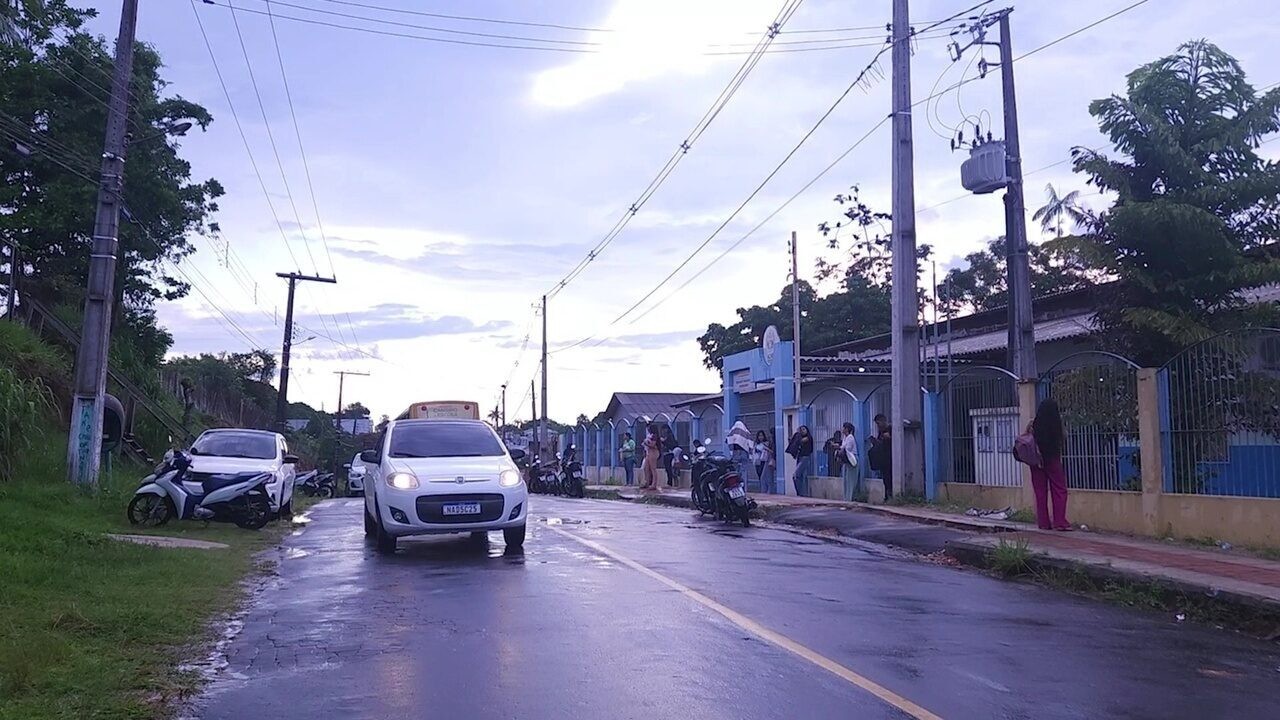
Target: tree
(53,95)
(982,284)
(1057,208)
(356,410)
(1197,211)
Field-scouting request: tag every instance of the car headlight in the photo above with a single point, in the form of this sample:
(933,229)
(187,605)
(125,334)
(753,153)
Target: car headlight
(402,481)
(509,478)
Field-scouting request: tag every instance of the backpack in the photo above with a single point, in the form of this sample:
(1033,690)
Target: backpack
(1025,450)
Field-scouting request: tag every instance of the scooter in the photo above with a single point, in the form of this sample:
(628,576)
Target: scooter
(171,491)
(708,470)
(316,483)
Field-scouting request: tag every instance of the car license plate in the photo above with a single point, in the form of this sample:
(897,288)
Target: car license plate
(468,508)
(737,492)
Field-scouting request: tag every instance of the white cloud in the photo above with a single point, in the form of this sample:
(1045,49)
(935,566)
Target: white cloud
(651,39)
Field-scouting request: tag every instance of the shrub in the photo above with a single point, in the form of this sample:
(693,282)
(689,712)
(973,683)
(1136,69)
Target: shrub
(24,407)
(1011,559)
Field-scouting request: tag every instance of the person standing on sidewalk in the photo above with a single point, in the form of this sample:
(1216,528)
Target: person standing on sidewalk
(881,453)
(849,463)
(667,447)
(1050,479)
(762,456)
(801,448)
(652,453)
(627,454)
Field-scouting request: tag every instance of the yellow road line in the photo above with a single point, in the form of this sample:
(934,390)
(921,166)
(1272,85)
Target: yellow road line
(884,694)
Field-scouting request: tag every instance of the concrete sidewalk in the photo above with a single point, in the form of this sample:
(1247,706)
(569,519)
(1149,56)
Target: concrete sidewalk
(1229,576)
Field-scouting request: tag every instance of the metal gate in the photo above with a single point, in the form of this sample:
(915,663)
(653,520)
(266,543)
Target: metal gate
(1220,415)
(1097,394)
(977,424)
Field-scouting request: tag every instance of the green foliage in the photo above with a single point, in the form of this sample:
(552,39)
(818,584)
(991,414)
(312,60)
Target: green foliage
(24,406)
(23,351)
(1188,177)
(1011,559)
(981,285)
(51,90)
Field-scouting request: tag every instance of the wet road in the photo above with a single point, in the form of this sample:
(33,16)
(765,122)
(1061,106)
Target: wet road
(617,610)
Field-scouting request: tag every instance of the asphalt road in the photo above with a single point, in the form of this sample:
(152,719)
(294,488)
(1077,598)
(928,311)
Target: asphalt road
(618,610)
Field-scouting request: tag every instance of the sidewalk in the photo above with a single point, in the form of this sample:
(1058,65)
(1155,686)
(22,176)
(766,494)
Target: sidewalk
(1241,579)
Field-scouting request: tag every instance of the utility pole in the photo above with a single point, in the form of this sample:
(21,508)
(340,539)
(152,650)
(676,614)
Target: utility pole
(342,376)
(1022,337)
(502,416)
(282,398)
(84,446)
(542,427)
(908,405)
(795,317)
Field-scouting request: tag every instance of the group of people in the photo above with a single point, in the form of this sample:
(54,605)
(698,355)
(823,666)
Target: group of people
(658,448)
(842,457)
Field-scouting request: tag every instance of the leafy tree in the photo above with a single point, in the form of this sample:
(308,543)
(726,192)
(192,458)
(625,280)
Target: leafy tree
(982,284)
(356,410)
(1197,210)
(1057,208)
(53,91)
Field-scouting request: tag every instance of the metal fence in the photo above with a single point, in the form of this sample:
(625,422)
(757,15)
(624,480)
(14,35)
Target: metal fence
(1220,416)
(977,424)
(1097,394)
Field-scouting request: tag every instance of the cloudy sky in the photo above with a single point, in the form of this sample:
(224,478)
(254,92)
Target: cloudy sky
(456,183)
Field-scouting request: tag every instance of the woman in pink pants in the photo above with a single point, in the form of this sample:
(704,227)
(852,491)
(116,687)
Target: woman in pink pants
(1050,480)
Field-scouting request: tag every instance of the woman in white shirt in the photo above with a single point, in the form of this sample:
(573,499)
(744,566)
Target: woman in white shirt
(849,468)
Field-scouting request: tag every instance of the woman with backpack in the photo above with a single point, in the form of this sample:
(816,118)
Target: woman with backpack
(801,448)
(1048,478)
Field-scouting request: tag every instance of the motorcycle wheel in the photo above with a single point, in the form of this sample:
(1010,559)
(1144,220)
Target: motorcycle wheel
(148,510)
(744,514)
(254,512)
(325,492)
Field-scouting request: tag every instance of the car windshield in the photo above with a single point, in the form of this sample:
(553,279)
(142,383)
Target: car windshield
(236,444)
(434,439)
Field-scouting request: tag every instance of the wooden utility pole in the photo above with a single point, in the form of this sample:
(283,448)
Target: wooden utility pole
(282,399)
(84,446)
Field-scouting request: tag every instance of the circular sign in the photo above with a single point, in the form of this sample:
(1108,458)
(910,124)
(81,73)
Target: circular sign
(770,343)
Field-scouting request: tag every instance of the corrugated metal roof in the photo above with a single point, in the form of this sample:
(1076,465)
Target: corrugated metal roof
(630,405)
(1045,331)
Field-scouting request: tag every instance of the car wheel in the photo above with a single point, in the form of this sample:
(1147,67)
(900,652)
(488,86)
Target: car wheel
(384,541)
(514,537)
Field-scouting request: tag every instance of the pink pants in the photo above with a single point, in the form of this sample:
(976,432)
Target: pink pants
(1050,480)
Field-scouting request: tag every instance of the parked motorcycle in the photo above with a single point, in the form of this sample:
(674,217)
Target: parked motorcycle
(571,481)
(173,491)
(719,488)
(316,483)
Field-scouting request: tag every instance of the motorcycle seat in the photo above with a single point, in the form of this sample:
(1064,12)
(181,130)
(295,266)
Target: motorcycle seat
(210,482)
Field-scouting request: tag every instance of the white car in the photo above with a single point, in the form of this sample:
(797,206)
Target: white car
(430,477)
(234,450)
(355,476)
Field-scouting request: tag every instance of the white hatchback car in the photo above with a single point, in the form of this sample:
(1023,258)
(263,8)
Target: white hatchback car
(355,476)
(429,477)
(235,450)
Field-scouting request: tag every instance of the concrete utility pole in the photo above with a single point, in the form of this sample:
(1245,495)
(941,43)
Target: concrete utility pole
(1022,337)
(795,316)
(908,405)
(542,427)
(342,376)
(282,399)
(84,446)
(502,416)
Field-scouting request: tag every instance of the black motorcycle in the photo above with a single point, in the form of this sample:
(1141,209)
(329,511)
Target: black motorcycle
(317,484)
(572,484)
(718,488)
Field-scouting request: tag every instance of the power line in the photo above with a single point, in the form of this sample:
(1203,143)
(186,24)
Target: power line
(726,94)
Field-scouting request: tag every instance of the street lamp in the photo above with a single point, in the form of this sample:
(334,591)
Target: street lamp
(175,129)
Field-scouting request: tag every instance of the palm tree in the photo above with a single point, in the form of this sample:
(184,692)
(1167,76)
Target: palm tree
(1058,207)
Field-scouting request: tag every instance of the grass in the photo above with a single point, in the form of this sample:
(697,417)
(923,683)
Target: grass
(1011,559)
(90,627)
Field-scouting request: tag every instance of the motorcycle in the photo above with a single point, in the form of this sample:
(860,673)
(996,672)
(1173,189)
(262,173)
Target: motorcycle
(172,491)
(571,481)
(719,489)
(316,483)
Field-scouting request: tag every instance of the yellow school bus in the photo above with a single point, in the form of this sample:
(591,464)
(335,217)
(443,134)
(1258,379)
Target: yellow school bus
(442,409)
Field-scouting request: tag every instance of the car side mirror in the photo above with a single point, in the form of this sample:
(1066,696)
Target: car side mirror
(370,456)
(290,459)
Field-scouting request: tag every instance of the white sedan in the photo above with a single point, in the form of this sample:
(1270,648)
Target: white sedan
(441,476)
(234,450)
